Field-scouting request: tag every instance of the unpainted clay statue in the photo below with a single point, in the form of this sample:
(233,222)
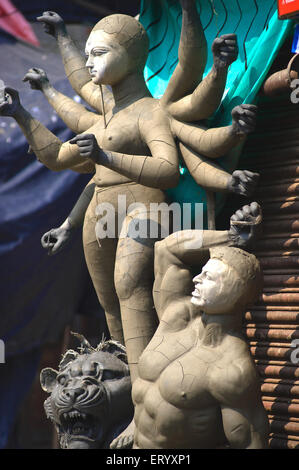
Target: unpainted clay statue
(198,386)
(133,149)
(90,395)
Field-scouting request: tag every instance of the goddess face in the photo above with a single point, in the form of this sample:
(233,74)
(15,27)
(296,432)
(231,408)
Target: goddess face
(108,61)
(217,288)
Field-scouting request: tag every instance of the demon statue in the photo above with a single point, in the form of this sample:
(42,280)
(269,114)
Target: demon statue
(198,386)
(90,395)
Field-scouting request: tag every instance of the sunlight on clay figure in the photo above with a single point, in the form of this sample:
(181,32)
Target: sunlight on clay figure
(198,386)
(133,145)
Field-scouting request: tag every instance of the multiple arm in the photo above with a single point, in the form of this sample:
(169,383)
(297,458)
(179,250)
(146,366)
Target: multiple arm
(212,143)
(74,115)
(206,173)
(213,178)
(48,148)
(160,170)
(76,217)
(216,142)
(205,99)
(56,239)
(78,75)
(74,63)
(185,100)
(192,45)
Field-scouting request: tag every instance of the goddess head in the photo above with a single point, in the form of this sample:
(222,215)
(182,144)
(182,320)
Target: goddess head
(117,46)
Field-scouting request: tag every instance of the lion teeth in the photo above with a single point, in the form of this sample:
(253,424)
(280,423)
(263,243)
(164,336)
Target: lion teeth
(75,415)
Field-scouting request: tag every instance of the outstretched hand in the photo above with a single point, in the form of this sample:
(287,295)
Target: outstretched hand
(52,22)
(56,239)
(37,78)
(244,119)
(243,182)
(245,225)
(88,147)
(10,103)
(225,51)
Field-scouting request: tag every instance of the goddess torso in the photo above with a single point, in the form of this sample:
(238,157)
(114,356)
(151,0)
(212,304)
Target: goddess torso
(122,135)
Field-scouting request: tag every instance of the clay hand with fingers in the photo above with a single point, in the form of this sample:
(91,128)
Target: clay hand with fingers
(56,239)
(10,104)
(245,225)
(244,119)
(89,148)
(52,22)
(225,51)
(37,79)
(243,182)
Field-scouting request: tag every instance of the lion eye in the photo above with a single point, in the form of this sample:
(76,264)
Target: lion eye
(61,379)
(90,381)
(110,375)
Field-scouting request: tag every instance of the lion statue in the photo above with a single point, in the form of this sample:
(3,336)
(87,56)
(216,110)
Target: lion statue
(90,395)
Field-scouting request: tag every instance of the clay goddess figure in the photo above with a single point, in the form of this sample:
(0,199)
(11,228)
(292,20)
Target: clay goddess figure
(198,386)
(132,147)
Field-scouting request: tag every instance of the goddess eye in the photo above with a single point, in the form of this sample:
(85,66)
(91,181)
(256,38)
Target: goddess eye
(98,52)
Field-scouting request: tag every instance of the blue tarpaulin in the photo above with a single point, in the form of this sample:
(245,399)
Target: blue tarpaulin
(39,294)
(72,11)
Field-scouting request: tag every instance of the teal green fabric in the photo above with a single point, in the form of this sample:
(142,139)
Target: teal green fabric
(260,35)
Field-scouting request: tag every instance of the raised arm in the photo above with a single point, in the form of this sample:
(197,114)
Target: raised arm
(74,115)
(174,258)
(158,170)
(57,238)
(192,56)
(206,98)
(210,176)
(74,63)
(177,255)
(47,147)
(217,142)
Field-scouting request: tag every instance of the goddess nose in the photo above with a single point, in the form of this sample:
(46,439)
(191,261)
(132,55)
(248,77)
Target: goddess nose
(89,62)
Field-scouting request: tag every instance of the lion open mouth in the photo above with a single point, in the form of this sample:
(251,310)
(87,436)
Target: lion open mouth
(78,424)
